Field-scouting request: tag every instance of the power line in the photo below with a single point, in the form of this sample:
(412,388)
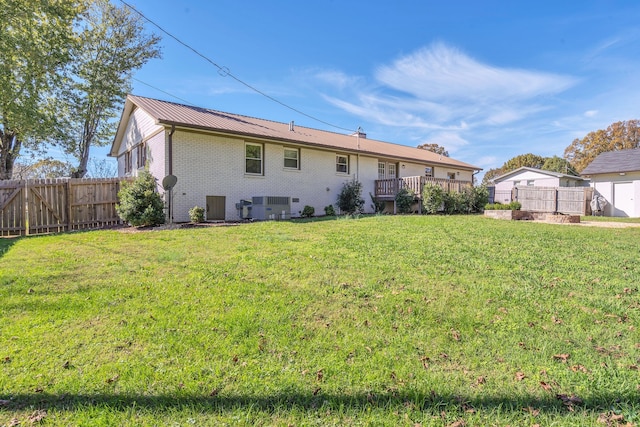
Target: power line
(165,92)
(224,71)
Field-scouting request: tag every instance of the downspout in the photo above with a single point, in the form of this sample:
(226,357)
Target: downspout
(173,129)
(170,155)
(473,177)
(358,155)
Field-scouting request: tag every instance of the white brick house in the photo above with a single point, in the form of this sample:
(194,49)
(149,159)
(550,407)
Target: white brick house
(220,159)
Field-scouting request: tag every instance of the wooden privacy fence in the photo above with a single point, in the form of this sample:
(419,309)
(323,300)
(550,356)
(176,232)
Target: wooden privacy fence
(565,200)
(39,206)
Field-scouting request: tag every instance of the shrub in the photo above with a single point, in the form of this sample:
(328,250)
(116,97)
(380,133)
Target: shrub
(432,198)
(480,197)
(513,206)
(308,211)
(329,211)
(404,200)
(196,214)
(139,203)
(350,199)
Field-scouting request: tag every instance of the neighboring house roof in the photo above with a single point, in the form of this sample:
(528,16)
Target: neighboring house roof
(614,162)
(169,113)
(552,174)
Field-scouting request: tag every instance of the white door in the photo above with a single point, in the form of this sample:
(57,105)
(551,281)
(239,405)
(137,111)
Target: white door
(623,203)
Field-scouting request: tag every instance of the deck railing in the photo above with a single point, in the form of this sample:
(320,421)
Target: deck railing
(390,187)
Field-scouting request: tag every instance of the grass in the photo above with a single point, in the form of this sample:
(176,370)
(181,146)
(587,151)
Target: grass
(404,320)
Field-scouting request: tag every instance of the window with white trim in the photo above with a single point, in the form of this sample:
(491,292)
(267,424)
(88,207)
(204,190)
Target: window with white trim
(292,158)
(428,172)
(381,170)
(342,163)
(392,171)
(253,154)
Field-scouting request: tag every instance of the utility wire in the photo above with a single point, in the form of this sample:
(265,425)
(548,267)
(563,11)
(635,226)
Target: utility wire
(224,71)
(165,92)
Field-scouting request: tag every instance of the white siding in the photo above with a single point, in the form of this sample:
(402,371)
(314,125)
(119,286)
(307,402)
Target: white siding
(139,127)
(605,185)
(211,165)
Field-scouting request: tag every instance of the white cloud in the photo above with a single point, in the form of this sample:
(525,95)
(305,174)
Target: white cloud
(442,72)
(591,113)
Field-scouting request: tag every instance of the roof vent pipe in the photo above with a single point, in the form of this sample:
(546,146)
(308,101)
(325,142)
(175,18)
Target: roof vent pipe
(291,126)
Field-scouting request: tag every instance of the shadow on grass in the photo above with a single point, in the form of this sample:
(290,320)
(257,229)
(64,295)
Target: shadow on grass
(300,401)
(6,243)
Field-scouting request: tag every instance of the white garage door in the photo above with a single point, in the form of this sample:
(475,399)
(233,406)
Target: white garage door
(623,203)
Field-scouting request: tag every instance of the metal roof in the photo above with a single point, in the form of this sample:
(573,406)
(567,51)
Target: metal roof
(541,171)
(614,162)
(168,113)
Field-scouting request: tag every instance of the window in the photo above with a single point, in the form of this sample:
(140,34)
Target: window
(392,170)
(428,172)
(141,155)
(292,158)
(381,167)
(342,163)
(451,175)
(516,183)
(530,183)
(253,158)
(127,162)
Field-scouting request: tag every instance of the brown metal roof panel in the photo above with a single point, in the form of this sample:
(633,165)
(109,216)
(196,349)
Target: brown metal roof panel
(190,116)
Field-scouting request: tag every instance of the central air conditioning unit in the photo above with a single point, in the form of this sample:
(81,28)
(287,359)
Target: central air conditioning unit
(244,209)
(271,207)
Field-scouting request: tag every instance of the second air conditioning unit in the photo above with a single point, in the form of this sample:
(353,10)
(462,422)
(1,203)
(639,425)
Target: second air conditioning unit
(271,207)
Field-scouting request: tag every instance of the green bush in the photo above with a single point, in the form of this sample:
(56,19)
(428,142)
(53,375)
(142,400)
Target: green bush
(308,211)
(329,211)
(513,206)
(432,198)
(196,214)
(404,200)
(350,199)
(139,203)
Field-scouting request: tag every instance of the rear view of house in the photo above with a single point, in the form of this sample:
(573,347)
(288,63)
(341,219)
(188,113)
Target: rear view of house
(615,175)
(238,166)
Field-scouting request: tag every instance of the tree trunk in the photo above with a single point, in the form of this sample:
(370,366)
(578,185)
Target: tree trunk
(9,150)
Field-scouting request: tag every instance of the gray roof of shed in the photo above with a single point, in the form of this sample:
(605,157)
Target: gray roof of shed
(614,162)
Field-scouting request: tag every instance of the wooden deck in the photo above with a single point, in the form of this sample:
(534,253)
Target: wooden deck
(386,189)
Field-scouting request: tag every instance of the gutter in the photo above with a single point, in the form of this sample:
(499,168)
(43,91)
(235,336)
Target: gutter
(173,129)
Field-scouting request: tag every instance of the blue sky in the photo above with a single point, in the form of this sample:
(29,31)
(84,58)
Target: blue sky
(488,80)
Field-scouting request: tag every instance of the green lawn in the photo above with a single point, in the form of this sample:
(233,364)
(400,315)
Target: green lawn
(385,320)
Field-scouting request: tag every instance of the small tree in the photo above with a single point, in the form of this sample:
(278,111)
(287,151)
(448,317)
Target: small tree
(350,199)
(140,204)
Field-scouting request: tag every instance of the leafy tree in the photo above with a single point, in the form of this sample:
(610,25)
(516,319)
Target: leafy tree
(112,45)
(523,160)
(102,168)
(139,203)
(618,136)
(435,148)
(558,164)
(35,45)
(43,168)
(350,199)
